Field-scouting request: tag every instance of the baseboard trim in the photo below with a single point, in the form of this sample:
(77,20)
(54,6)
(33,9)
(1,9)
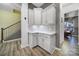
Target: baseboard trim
(12,40)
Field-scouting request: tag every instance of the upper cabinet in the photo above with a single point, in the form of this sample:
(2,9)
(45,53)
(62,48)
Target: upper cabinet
(52,15)
(49,15)
(31,16)
(37,16)
(44,17)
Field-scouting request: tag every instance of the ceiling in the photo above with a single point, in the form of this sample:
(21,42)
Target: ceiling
(38,4)
(17,6)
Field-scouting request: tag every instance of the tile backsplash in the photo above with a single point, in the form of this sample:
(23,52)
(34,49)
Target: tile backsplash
(42,27)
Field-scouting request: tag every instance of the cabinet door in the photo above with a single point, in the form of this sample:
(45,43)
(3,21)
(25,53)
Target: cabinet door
(30,40)
(51,15)
(40,40)
(47,44)
(48,16)
(31,16)
(35,40)
(44,22)
(37,16)
(52,43)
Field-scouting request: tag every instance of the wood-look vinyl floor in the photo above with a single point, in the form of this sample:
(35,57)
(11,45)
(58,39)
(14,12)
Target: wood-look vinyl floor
(14,49)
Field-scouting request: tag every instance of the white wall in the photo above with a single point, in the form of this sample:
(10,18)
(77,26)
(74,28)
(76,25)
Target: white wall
(24,25)
(71,7)
(7,18)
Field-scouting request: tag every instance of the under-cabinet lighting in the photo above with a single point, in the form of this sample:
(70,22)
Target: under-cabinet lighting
(34,26)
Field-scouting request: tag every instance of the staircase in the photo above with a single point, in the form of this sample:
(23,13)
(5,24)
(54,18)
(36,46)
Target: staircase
(14,36)
(11,32)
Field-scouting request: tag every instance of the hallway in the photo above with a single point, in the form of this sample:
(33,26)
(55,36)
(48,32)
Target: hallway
(70,46)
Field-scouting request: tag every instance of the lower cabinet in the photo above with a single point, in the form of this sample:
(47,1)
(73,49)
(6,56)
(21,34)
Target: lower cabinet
(30,39)
(33,40)
(45,41)
(47,44)
(40,42)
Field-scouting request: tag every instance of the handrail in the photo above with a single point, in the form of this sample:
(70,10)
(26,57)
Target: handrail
(2,29)
(12,25)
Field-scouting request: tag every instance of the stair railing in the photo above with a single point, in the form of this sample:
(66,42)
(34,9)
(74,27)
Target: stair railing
(3,29)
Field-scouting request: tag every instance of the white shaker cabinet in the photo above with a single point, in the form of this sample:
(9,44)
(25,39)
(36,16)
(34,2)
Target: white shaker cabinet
(48,16)
(33,40)
(31,16)
(40,40)
(44,17)
(51,15)
(47,42)
(37,16)
(52,43)
(30,40)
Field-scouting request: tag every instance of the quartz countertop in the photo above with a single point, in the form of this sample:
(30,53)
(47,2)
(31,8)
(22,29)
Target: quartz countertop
(42,29)
(44,32)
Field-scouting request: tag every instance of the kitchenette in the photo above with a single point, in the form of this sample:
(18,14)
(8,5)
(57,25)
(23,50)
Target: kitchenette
(39,26)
